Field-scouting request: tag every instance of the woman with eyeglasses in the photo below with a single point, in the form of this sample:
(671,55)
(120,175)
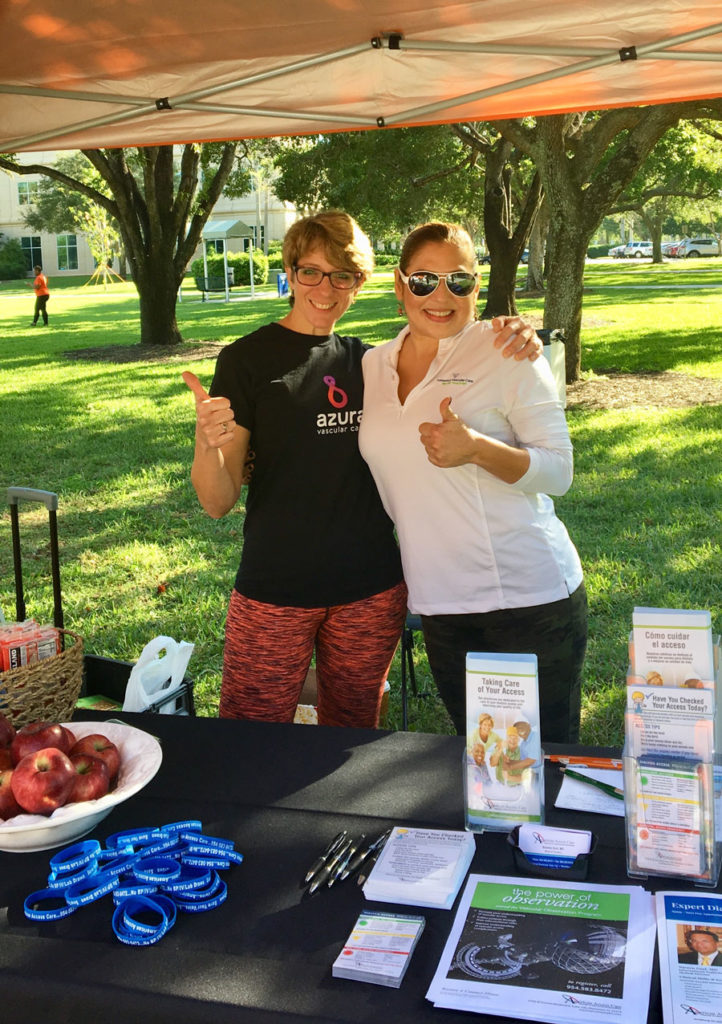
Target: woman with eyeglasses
(320,568)
(464,448)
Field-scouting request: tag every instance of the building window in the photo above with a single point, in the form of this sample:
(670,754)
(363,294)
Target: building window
(214,245)
(67,252)
(28,192)
(32,251)
(257,237)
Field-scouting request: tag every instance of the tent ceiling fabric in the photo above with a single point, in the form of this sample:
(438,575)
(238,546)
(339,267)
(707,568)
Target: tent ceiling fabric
(79,73)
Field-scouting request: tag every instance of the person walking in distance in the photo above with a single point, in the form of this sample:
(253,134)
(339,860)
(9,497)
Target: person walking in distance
(42,294)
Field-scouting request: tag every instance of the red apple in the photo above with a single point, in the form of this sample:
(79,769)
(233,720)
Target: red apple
(70,739)
(100,746)
(7,731)
(91,778)
(9,806)
(36,736)
(6,760)
(43,780)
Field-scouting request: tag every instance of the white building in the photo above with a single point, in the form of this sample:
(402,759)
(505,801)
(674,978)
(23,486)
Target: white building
(68,254)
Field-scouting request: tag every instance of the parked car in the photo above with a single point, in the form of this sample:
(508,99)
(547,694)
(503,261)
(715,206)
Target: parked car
(698,247)
(670,248)
(636,250)
(524,258)
(617,251)
(483,257)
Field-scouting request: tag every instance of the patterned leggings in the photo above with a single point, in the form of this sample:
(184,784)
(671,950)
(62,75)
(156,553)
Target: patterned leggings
(268,652)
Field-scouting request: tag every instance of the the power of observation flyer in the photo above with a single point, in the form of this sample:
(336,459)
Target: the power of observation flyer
(548,951)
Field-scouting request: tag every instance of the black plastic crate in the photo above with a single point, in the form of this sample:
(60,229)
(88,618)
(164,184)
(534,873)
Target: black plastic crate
(107,677)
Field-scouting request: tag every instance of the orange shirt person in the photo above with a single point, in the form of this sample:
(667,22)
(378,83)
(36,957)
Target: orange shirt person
(42,294)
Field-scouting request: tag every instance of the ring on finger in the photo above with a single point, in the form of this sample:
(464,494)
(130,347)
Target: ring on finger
(224,428)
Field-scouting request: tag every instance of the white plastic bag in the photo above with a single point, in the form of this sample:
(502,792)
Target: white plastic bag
(154,677)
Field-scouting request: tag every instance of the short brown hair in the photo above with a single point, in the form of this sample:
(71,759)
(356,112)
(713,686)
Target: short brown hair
(338,234)
(436,231)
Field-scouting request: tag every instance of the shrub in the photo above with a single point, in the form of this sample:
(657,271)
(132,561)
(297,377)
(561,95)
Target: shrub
(386,259)
(597,250)
(12,259)
(240,263)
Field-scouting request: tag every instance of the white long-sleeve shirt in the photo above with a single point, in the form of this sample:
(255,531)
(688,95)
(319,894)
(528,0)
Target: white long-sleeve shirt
(470,542)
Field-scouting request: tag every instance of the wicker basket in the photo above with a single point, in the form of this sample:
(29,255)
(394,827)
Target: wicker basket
(46,691)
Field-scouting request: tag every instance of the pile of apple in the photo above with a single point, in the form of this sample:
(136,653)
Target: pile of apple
(43,766)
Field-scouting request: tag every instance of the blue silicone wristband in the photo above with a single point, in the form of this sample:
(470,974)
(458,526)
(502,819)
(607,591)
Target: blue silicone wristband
(91,889)
(157,869)
(74,857)
(43,896)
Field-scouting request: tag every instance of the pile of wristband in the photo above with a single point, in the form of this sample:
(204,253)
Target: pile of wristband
(152,873)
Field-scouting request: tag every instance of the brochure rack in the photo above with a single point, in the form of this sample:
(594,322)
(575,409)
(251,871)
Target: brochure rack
(672,759)
(503,763)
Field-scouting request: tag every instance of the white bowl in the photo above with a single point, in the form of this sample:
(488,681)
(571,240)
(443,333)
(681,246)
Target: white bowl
(140,758)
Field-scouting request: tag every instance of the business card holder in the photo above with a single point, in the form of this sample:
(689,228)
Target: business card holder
(576,872)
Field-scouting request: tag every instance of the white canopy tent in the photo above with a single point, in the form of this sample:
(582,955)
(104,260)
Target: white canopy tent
(76,73)
(224,231)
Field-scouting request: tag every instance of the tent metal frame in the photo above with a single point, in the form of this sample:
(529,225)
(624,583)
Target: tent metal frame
(394,42)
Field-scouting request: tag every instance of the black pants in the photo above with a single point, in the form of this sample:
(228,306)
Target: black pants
(555,632)
(40,307)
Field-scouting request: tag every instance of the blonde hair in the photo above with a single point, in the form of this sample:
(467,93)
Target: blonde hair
(338,234)
(436,231)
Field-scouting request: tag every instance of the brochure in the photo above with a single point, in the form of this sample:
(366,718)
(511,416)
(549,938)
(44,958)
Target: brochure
(671,816)
(548,951)
(689,930)
(421,866)
(667,720)
(673,647)
(503,763)
(379,948)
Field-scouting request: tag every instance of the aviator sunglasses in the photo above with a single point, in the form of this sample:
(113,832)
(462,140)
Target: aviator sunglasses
(425,282)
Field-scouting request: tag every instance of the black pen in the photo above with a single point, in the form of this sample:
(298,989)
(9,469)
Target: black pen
(342,866)
(363,855)
(320,861)
(327,870)
(373,852)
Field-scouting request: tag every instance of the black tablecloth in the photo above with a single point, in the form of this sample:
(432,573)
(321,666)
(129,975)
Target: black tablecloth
(280,792)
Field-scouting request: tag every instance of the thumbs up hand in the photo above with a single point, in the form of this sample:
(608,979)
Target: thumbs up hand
(215,424)
(450,442)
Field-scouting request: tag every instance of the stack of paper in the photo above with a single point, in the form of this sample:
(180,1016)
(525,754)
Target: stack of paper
(379,948)
(548,951)
(422,867)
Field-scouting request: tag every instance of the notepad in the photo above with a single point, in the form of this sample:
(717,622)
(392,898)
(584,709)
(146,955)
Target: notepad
(421,867)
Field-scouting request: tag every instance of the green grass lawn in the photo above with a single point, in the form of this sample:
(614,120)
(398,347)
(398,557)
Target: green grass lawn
(140,558)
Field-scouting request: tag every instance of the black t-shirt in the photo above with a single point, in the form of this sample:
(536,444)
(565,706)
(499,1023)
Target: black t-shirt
(315,533)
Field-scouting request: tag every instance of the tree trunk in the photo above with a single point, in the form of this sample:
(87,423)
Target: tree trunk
(500,299)
(157,294)
(567,250)
(537,240)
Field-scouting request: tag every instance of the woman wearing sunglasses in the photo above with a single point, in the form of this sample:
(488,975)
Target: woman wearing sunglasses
(464,448)
(320,568)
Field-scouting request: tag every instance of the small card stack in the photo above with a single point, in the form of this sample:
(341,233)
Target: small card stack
(553,847)
(379,948)
(421,867)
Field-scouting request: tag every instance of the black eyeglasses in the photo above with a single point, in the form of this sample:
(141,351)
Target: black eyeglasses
(425,282)
(345,280)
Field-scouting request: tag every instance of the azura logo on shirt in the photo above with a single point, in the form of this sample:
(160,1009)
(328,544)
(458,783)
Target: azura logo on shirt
(337,422)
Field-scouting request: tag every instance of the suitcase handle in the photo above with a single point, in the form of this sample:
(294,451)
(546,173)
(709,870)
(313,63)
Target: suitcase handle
(50,500)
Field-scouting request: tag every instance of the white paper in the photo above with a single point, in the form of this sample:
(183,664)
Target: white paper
(548,951)
(579,796)
(689,990)
(422,867)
